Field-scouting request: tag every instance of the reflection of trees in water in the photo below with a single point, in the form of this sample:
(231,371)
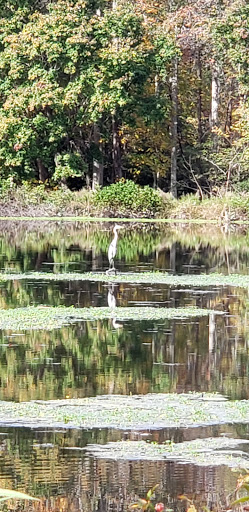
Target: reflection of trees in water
(91,358)
(41,464)
(86,359)
(70,246)
(96,358)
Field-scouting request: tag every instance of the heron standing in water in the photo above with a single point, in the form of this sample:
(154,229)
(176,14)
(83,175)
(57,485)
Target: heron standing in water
(113,249)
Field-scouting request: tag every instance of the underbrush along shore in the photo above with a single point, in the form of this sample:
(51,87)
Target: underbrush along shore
(125,202)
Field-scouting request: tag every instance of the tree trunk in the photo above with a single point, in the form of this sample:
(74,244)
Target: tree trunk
(199,95)
(116,152)
(98,168)
(174,135)
(214,121)
(229,112)
(156,85)
(97,162)
(42,171)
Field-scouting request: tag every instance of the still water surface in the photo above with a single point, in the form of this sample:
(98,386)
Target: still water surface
(100,357)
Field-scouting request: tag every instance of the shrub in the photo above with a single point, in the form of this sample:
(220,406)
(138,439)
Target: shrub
(128,196)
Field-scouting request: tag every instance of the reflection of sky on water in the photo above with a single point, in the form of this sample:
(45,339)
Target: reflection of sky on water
(103,357)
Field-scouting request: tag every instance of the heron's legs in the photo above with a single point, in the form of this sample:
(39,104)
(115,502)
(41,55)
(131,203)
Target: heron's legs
(111,267)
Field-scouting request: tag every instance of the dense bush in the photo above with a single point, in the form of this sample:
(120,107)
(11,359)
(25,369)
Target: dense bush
(129,197)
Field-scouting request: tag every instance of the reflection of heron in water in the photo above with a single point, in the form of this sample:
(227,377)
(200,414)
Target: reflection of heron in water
(111,300)
(113,249)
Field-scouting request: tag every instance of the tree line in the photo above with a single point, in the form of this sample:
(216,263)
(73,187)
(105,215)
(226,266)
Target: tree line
(93,91)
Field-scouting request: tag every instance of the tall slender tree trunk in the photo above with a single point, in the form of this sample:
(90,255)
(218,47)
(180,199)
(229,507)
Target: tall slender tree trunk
(174,124)
(156,174)
(98,168)
(156,85)
(97,162)
(214,121)
(229,112)
(42,171)
(199,95)
(116,150)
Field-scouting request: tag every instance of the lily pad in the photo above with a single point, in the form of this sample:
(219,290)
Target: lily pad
(212,451)
(42,317)
(140,412)
(193,280)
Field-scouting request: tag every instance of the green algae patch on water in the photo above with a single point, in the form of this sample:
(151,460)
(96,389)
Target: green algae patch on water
(152,411)
(194,280)
(212,451)
(82,218)
(47,318)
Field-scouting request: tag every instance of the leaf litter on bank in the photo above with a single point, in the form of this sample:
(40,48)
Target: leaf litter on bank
(140,412)
(192,280)
(47,318)
(212,451)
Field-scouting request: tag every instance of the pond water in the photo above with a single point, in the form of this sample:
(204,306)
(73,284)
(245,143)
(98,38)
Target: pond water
(109,357)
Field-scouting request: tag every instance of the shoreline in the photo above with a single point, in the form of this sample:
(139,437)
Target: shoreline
(72,218)
(31,203)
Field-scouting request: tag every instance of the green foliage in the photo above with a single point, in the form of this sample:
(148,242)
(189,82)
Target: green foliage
(69,165)
(64,68)
(243,186)
(146,504)
(37,199)
(242,484)
(128,196)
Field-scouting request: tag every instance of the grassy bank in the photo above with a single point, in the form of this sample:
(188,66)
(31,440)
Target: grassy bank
(124,199)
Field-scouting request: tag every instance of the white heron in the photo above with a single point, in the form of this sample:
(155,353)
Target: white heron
(113,248)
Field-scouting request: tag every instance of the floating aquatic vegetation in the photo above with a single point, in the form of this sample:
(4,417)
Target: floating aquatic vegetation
(79,218)
(42,317)
(140,412)
(195,280)
(212,451)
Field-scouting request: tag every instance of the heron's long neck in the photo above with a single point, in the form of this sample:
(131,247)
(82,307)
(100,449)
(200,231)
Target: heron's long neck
(115,235)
